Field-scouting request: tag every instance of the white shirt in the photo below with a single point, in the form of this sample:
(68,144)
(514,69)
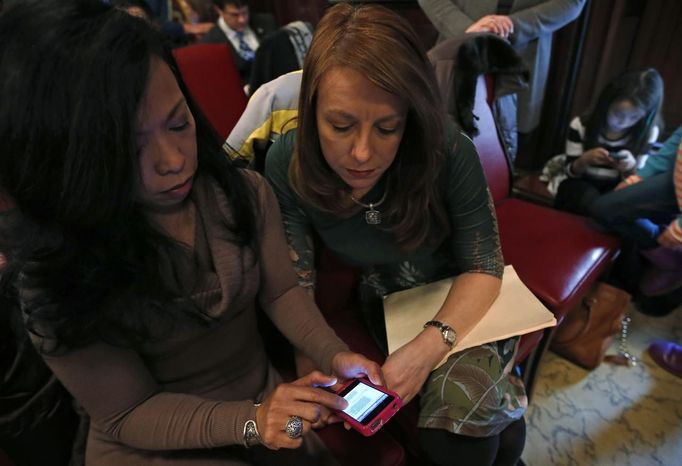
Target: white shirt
(233,36)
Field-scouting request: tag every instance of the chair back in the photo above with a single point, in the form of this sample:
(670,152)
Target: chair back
(214,83)
(489,145)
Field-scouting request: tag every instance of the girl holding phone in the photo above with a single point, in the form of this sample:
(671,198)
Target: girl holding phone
(605,146)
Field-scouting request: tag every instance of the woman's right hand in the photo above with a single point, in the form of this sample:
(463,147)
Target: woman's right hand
(300,398)
(496,24)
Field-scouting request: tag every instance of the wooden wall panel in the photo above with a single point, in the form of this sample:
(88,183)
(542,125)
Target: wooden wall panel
(658,45)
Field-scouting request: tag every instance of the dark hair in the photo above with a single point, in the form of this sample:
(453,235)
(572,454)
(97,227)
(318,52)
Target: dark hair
(141,4)
(220,4)
(644,88)
(381,46)
(80,248)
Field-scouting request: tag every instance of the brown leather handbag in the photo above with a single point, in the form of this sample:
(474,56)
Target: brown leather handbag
(589,328)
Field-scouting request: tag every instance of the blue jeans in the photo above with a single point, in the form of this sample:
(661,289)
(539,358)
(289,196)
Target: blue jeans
(639,212)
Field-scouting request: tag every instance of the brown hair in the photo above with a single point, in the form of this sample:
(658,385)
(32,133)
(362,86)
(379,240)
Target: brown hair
(220,4)
(382,46)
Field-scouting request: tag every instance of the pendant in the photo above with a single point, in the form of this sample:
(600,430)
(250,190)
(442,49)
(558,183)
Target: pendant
(372,216)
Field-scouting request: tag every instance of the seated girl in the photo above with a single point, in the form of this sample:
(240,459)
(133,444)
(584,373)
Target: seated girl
(376,171)
(137,253)
(605,146)
(646,209)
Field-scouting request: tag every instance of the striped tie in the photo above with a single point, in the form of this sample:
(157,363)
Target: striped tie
(245,51)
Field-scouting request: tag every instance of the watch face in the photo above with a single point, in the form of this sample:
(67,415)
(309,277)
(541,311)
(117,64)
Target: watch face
(450,336)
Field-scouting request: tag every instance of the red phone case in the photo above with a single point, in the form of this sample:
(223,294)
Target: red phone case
(378,420)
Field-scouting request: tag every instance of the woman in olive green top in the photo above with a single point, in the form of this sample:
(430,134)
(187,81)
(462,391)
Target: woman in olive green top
(387,185)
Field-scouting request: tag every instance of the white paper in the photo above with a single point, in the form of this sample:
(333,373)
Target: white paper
(516,311)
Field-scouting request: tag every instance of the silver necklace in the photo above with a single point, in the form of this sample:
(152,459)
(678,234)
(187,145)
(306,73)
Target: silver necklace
(372,216)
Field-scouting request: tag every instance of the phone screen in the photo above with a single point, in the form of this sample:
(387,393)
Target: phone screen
(364,402)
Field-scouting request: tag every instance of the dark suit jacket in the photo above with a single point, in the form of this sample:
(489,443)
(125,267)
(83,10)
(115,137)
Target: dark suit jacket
(261,24)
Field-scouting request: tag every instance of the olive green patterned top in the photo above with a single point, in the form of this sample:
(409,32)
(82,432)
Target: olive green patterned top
(472,246)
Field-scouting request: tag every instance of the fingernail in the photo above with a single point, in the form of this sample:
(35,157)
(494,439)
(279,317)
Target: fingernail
(343,404)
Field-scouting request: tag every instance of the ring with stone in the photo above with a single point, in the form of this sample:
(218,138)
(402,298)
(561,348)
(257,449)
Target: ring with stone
(294,427)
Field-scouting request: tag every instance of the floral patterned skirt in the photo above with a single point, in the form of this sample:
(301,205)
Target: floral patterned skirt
(474,393)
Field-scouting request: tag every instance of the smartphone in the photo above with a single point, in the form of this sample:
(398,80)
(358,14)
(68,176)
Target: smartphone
(617,156)
(369,406)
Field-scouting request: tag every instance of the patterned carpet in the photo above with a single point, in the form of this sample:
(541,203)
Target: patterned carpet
(614,415)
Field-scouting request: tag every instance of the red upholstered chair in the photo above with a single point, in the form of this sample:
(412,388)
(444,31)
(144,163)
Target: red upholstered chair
(556,254)
(214,83)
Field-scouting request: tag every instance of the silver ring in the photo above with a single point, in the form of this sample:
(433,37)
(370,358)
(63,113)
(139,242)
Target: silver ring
(294,427)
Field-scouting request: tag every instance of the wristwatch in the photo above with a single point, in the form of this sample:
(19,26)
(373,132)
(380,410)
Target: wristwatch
(448,333)
(251,435)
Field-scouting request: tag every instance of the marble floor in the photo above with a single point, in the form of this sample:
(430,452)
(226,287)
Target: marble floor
(614,415)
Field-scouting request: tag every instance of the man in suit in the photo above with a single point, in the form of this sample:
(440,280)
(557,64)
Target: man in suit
(242,35)
(527,24)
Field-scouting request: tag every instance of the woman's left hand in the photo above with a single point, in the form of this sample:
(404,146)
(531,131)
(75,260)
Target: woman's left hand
(407,369)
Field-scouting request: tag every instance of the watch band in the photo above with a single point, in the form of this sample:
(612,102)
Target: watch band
(448,333)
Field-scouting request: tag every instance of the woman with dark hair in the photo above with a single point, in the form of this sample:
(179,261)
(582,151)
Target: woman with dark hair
(136,251)
(387,184)
(605,146)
